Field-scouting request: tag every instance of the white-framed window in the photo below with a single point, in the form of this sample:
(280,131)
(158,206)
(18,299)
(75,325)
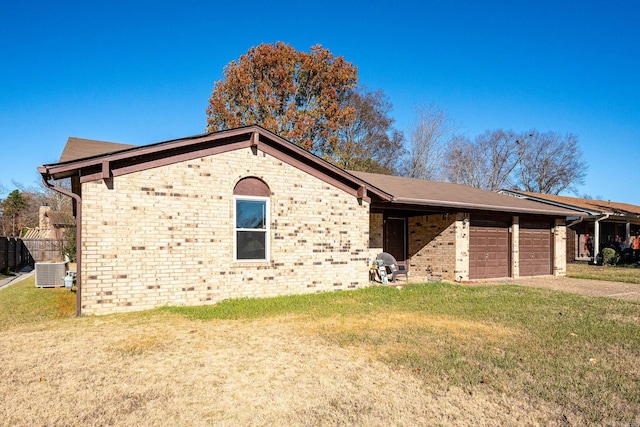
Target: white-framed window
(251,228)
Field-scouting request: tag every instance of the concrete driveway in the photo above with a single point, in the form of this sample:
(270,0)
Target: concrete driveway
(595,288)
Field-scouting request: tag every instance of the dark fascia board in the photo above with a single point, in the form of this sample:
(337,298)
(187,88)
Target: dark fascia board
(586,212)
(163,153)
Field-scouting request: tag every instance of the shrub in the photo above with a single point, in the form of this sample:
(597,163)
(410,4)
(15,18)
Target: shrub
(610,256)
(69,244)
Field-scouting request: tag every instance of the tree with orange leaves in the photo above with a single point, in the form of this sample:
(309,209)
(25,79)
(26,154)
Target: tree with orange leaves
(302,97)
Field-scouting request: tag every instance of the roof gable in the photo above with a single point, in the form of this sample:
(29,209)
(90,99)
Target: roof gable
(131,159)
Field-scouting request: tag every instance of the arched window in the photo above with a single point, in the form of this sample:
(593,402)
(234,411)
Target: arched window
(251,220)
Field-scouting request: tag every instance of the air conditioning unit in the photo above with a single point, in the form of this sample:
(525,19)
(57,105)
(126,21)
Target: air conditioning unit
(50,274)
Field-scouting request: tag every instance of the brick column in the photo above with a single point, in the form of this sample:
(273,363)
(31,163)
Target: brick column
(559,244)
(515,246)
(462,247)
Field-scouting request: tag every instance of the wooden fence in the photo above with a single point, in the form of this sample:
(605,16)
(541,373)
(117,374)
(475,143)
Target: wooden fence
(44,249)
(16,253)
(13,254)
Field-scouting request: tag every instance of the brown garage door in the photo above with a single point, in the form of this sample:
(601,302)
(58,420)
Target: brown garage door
(488,251)
(535,257)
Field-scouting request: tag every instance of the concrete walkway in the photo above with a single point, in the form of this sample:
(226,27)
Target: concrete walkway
(22,274)
(596,288)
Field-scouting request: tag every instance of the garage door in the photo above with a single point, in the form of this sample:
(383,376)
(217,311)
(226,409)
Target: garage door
(488,252)
(535,257)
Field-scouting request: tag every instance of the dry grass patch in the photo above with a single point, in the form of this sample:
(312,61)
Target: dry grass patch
(426,355)
(400,332)
(221,372)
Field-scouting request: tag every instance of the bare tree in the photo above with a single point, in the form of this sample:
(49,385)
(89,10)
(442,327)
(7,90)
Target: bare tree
(369,143)
(462,165)
(552,163)
(501,153)
(488,162)
(532,161)
(429,139)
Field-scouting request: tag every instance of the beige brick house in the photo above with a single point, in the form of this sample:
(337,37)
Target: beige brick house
(244,213)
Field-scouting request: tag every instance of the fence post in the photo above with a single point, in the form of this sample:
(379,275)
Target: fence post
(25,255)
(4,253)
(12,253)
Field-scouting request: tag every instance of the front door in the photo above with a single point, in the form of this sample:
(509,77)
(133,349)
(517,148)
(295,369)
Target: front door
(395,237)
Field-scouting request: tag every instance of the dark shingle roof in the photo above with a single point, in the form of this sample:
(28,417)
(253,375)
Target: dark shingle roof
(57,218)
(79,148)
(444,194)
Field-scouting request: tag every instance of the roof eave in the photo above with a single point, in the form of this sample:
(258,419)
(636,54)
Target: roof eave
(588,211)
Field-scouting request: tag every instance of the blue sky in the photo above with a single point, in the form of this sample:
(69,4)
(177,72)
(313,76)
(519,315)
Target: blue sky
(139,72)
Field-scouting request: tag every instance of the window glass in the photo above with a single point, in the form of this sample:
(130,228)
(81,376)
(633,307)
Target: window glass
(251,245)
(251,228)
(250,213)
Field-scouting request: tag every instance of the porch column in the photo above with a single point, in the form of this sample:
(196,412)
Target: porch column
(627,234)
(596,237)
(596,241)
(514,230)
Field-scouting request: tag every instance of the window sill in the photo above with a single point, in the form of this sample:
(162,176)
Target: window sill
(251,263)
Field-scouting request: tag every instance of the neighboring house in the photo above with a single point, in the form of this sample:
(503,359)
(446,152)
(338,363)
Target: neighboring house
(605,223)
(51,225)
(46,241)
(245,213)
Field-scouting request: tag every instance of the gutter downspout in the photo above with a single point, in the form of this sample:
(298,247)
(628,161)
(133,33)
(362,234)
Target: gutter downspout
(78,200)
(576,222)
(596,237)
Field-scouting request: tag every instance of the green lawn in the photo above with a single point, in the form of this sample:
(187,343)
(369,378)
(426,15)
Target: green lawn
(22,303)
(626,274)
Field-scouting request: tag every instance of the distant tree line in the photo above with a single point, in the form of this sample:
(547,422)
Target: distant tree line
(313,99)
(541,162)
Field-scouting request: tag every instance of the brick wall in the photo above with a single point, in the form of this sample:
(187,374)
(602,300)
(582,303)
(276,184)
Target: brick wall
(432,247)
(571,245)
(164,236)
